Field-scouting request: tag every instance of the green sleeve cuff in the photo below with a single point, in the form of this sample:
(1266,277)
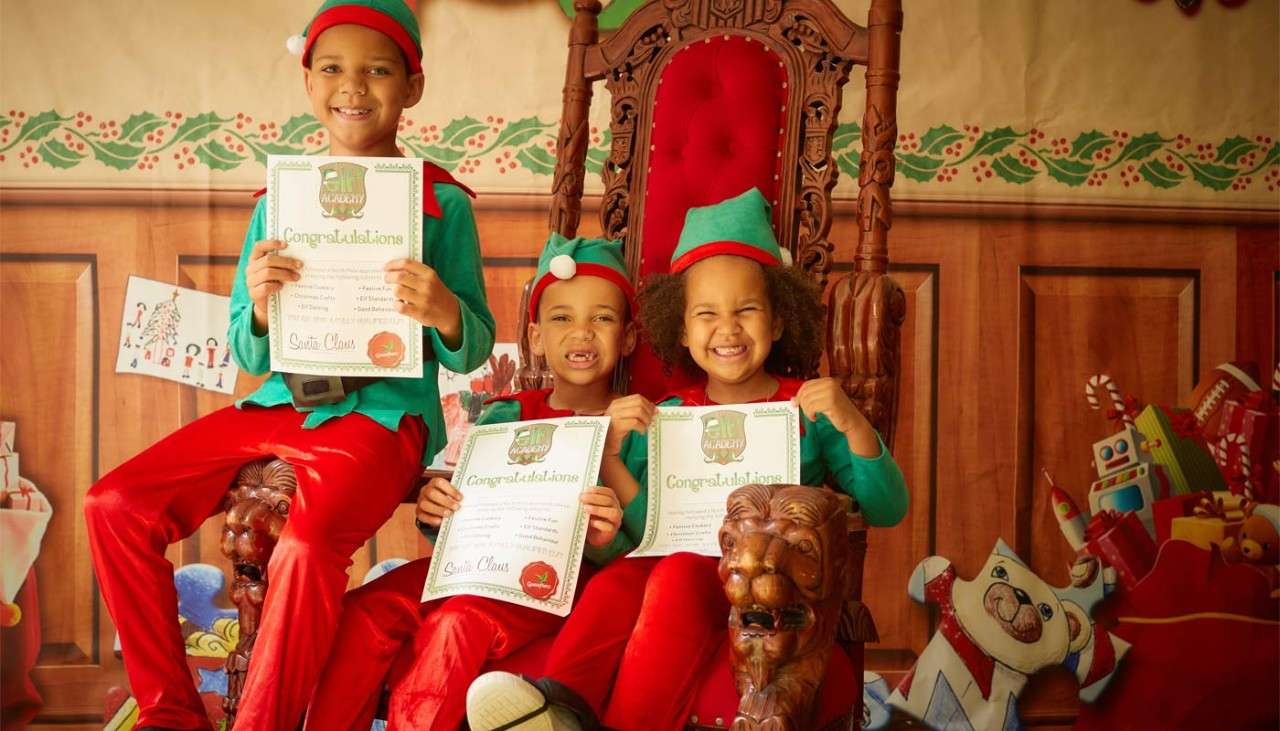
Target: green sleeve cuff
(474,347)
(602,555)
(635,456)
(431,534)
(636,514)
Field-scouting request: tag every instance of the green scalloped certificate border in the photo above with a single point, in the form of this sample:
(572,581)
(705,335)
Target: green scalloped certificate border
(562,601)
(678,414)
(411,168)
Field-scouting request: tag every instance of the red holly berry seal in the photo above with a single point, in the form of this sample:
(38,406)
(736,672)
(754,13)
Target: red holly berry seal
(539,580)
(386,350)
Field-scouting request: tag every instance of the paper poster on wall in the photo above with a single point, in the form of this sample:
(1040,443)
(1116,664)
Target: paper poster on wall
(178,334)
(462,397)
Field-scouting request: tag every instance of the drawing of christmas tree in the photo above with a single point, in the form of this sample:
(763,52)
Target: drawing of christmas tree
(162,326)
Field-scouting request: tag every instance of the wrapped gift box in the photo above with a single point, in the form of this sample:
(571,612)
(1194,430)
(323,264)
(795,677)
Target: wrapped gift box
(1121,541)
(7,430)
(1204,532)
(1164,512)
(1175,445)
(1247,444)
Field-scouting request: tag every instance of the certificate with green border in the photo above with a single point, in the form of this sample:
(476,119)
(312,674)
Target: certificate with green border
(700,454)
(520,532)
(344,217)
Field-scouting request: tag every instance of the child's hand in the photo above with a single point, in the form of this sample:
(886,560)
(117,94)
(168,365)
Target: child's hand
(436,501)
(423,296)
(626,414)
(606,515)
(824,396)
(266,274)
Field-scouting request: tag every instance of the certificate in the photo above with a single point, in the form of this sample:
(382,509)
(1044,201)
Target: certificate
(700,454)
(344,218)
(521,530)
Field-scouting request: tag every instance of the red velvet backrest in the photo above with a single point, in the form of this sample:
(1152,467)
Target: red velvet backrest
(719,122)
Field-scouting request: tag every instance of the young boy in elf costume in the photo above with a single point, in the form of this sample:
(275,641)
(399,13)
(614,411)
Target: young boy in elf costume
(357,449)
(734,309)
(428,653)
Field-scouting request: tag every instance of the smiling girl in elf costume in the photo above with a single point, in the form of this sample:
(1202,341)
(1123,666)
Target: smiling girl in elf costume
(428,653)
(732,308)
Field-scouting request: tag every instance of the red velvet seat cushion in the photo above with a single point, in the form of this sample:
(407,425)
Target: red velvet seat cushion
(719,118)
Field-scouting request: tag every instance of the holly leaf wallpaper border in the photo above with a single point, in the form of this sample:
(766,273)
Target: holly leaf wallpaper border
(937,156)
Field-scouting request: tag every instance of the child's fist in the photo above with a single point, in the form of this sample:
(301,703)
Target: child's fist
(436,501)
(605,515)
(266,274)
(420,294)
(824,396)
(626,414)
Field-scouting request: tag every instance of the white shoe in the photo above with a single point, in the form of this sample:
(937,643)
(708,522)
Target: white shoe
(499,700)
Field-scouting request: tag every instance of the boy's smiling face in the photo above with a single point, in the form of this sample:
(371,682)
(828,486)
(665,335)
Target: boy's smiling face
(358,86)
(729,325)
(582,330)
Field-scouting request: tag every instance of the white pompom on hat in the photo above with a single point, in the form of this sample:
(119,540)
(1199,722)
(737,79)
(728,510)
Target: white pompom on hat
(562,266)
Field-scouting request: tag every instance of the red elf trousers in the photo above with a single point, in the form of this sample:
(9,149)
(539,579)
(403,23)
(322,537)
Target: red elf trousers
(352,473)
(682,622)
(587,651)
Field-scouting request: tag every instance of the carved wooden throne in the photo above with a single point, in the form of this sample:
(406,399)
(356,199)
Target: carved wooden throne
(708,98)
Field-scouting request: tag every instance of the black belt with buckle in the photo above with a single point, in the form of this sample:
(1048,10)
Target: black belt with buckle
(311,391)
(322,390)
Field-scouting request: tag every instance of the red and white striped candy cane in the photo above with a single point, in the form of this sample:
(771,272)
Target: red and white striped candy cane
(1225,445)
(1102,380)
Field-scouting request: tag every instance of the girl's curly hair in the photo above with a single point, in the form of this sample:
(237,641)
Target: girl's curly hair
(793,296)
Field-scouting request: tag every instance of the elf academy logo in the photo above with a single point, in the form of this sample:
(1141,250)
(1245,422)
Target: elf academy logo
(531,444)
(724,436)
(342,193)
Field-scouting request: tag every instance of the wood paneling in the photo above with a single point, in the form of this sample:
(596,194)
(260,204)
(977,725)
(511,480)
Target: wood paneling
(1007,318)
(50,388)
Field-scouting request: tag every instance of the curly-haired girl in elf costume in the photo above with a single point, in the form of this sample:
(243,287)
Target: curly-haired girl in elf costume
(751,323)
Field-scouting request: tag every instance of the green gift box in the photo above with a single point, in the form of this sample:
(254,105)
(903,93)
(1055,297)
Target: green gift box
(1175,445)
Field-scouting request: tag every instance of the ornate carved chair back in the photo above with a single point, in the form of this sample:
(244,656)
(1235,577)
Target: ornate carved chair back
(711,97)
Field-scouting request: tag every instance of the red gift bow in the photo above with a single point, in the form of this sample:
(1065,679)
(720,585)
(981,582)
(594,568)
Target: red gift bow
(1184,424)
(1101,522)
(1238,480)
(1127,413)
(1256,401)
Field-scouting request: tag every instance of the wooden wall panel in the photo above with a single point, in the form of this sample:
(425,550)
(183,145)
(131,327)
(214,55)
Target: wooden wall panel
(1007,318)
(50,329)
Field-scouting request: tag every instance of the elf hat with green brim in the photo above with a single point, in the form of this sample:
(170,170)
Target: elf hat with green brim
(563,258)
(392,18)
(742,226)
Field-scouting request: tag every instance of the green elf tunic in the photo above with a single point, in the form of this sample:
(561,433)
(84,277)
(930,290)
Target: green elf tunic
(876,484)
(452,248)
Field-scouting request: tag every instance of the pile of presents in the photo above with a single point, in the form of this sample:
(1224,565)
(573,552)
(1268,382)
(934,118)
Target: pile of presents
(1207,475)
(1173,607)
(1185,530)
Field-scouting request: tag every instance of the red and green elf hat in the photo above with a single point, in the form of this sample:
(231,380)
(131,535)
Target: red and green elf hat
(392,18)
(563,258)
(741,225)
